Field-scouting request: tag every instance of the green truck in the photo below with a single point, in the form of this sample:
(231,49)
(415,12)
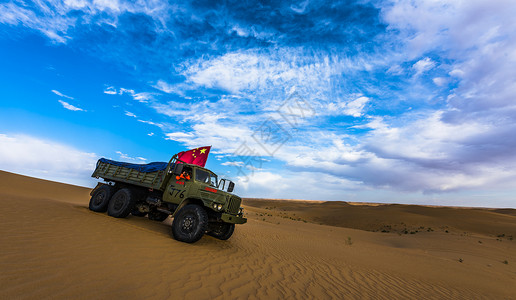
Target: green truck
(194,196)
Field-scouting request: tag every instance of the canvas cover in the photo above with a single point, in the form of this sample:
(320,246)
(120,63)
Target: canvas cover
(145,168)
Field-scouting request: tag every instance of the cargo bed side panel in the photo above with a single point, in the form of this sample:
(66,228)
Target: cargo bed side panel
(117,173)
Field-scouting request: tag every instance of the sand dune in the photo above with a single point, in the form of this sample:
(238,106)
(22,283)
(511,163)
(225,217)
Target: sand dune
(395,217)
(52,246)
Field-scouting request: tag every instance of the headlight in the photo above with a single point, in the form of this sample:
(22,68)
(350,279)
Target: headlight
(219,207)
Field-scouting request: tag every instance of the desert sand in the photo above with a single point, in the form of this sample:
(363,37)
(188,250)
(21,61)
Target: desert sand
(52,246)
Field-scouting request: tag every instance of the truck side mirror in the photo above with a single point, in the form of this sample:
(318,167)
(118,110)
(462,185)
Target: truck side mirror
(178,169)
(231,186)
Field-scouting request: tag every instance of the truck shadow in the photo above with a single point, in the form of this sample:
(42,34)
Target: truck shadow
(163,229)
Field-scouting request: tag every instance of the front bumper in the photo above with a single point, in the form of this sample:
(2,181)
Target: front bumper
(233,219)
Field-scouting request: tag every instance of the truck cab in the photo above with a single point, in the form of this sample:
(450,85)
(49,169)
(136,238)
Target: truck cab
(204,186)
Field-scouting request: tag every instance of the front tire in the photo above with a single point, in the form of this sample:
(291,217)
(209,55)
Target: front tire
(100,198)
(121,204)
(190,223)
(221,231)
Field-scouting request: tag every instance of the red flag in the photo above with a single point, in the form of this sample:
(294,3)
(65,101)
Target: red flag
(197,156)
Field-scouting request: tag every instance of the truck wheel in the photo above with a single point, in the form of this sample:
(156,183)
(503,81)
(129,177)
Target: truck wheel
(155,215)
(221,231)
(100,198)
(190,223)
(121,204)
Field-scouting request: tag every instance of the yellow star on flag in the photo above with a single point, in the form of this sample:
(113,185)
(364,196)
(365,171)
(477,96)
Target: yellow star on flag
(203,150)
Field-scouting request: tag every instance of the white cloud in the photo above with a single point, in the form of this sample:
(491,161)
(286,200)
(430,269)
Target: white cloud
(425,138)
(477,37)
(457,73)
(69,106)
(423,65)
(130,114)
(61,95)
(226,136)
(395,69)
(108,5)
(233,163)
(110,90)
(200,110)
(167,87)
(46,159)
(424,154)
(77,4)
(253,168)
(140,97)
(295,185)
(53,28)
(427,25)
(125,91)
(440,81)
(272,72)
(267,182)
(143,97)
(126,157)
(240,30)
(354,108)
(467,143)
(180,137)
(152,123)
(301,7)
(56,18)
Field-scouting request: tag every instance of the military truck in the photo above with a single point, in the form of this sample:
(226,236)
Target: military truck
(194,196)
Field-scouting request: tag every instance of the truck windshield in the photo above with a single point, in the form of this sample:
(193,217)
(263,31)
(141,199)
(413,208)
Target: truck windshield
(206,177)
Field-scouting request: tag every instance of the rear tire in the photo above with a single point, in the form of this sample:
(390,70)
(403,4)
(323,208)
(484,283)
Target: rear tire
(221,231)
(100,198)
(190,223)
(121,204)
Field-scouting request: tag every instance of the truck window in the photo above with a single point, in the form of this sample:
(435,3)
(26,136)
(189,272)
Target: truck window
(213,180)
(206,177)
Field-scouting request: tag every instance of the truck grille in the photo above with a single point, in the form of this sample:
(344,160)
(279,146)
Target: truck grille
(234,205)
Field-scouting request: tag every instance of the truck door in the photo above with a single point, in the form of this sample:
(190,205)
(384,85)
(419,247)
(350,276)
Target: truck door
(176,190)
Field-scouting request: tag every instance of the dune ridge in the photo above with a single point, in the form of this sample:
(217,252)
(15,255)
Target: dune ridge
(395,217)
(54,247)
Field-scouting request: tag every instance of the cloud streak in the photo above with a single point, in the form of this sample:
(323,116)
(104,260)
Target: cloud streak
(70,106)
(61,94)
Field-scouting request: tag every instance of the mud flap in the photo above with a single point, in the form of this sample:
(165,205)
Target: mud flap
(99,184)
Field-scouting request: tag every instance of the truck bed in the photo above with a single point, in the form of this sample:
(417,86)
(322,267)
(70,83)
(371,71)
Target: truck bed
(145,175)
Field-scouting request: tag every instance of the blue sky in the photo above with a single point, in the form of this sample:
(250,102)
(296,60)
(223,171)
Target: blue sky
(375,101)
